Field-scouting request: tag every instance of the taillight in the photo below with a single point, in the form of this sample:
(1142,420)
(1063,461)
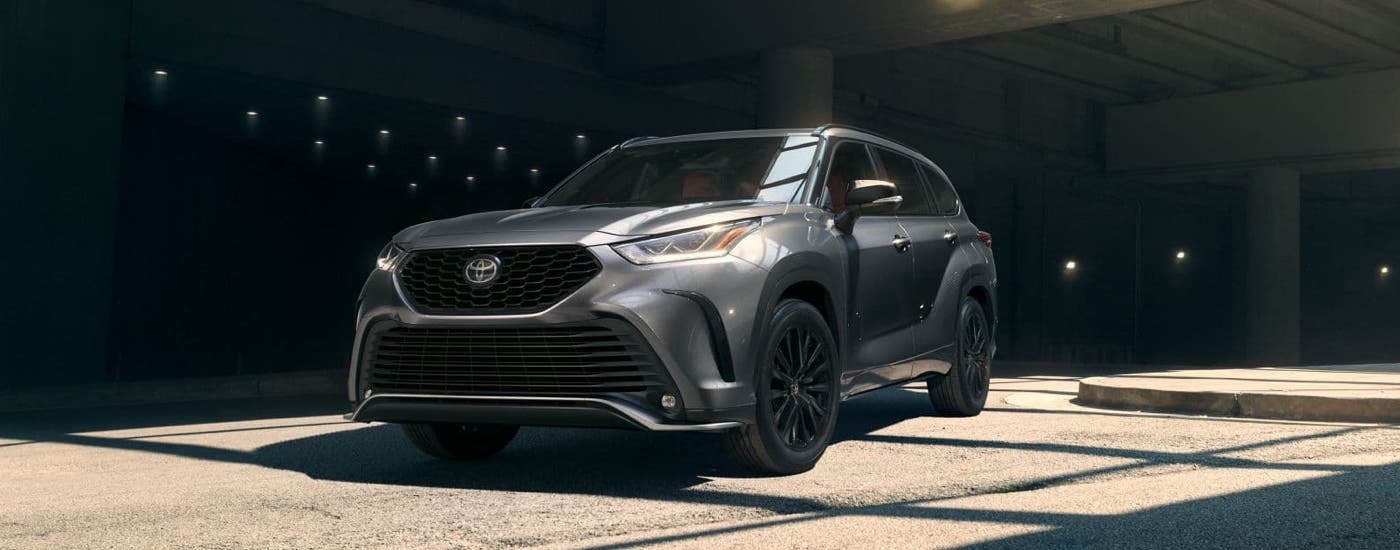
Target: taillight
(986,238)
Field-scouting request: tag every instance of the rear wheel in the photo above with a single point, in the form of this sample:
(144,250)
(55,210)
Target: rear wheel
(798,392)
(963,391)
(460,441)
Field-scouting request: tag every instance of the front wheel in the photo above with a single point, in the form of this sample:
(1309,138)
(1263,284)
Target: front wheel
(797,386)
(460,441)
(963,391)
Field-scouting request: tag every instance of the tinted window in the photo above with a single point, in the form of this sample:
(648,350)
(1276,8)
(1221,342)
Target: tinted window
(696,171)
(848,164)
(944,198)
(904,174)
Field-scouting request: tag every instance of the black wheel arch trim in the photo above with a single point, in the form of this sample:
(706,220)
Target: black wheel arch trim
(719,337)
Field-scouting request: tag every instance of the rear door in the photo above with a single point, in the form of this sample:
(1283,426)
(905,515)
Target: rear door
(933,242)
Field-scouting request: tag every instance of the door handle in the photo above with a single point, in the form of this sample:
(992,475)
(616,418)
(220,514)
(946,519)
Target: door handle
(901,243)
(950,237)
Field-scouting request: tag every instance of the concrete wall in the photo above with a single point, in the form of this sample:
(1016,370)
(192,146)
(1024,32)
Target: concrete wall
(1348,122)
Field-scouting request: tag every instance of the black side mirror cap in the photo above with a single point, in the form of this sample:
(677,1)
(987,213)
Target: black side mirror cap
(867,197)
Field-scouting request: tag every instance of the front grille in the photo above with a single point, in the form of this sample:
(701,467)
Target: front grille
(531,279)
(595,357)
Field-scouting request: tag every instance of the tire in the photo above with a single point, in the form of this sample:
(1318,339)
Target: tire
(795,414)
(460,441)
(963,391)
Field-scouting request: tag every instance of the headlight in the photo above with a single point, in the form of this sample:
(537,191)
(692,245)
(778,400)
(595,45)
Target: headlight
(390,257)
(707,242)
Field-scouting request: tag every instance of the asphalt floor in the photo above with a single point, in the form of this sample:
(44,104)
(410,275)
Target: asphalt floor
(1034,470)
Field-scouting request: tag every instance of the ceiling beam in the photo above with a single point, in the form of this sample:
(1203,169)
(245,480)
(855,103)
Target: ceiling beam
(1305,25)
(1077,87)
(1122,60)
(645,36)
(1248,56)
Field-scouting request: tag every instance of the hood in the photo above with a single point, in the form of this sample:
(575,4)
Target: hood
(594,224)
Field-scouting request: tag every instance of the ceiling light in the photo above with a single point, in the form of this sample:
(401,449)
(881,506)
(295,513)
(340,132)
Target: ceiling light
(1385,270)
(1181,254)
(320,142)
(252,113)
(471,178)
(413,184)
(161,72)
(580,136)
(534,170)
(370,166)
(384,132)
(461,118)
(500,147)
(1071,265)
(432,157)
(322,98)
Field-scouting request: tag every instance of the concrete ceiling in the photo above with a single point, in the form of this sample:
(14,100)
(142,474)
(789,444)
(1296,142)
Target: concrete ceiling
(1196,48)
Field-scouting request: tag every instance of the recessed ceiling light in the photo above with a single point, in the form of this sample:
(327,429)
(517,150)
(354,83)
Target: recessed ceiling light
(322,98)
(252,113)
(413,184)
(1071,265)
(1181,254)
(161,72)
(460,118)
(471,178)
(1385,270)
(384,132)
(432,157)
(580,136)
(534,170)
(370,166)
(320,142)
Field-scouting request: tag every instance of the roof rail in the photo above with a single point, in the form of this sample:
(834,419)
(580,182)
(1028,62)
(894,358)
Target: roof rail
(834,126)
(634,140)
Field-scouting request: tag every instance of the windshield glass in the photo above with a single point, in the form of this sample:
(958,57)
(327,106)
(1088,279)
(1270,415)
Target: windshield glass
(764,168)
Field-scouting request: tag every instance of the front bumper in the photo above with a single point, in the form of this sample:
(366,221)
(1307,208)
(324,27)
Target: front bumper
(696,317)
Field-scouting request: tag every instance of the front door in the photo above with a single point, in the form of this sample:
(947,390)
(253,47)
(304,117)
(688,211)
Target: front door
(882,271)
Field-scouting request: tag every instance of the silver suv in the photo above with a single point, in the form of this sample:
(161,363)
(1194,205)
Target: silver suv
(741,282)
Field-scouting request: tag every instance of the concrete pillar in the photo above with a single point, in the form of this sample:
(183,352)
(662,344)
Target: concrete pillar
(62,88)
(794,87)
(1273,286)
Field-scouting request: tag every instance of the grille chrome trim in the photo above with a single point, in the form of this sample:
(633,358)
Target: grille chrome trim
(636,415)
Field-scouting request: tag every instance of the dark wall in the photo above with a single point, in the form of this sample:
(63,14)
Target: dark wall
(229,261)
(1350,230)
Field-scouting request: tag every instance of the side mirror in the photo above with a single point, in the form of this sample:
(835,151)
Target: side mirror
(867,197)
(531,202)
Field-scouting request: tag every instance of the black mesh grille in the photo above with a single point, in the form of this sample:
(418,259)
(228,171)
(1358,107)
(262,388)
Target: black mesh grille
(597,357)
(531,279)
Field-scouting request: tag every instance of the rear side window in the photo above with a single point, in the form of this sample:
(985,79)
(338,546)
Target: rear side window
(945,200)
(904,174)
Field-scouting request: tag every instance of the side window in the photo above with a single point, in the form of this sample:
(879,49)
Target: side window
(945,200)
(849,163)
(904,174)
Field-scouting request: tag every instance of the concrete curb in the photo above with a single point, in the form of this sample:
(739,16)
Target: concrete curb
(1095,392)
(317,383)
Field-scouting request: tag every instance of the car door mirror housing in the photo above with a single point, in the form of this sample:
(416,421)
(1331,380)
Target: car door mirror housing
(867,197)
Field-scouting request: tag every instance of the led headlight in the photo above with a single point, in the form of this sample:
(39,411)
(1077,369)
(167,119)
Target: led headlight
(706,242)
(390,257)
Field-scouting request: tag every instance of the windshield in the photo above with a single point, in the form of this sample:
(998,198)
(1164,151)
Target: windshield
(764,168)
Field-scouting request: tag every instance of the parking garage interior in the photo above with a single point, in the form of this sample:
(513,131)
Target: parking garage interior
(196,189)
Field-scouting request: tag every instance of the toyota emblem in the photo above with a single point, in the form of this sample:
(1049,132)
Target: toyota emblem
(483,269)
